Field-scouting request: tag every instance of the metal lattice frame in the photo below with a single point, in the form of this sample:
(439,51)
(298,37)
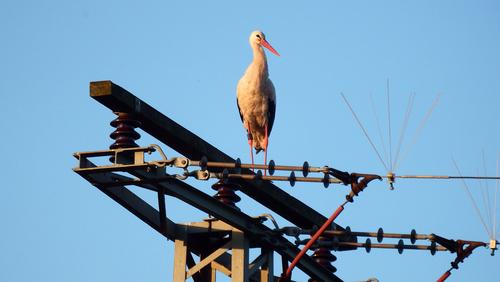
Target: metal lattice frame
(180,139)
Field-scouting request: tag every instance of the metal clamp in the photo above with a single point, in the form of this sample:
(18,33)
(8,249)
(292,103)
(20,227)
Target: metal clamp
(358,186)
(463,248)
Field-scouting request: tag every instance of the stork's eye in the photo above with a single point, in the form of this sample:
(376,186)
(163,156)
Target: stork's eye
(258,36)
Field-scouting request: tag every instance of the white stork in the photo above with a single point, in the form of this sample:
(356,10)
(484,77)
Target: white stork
(256,98)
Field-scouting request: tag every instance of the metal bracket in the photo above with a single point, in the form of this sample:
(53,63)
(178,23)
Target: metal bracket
(358,186)
(463,248)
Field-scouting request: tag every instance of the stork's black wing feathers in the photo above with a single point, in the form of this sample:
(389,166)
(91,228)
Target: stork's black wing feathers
(239,110)
(271,115)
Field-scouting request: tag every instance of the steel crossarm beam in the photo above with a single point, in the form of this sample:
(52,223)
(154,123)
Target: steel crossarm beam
(187,143)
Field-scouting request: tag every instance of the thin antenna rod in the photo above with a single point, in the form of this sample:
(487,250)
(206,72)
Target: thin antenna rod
(405,126)
(420,127)
(495,205)
(379,128)
(364,131)
(488,204)
(483,197)
(390,131)
(471,198)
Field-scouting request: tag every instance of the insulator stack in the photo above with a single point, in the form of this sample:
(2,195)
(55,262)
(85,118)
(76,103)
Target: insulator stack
(226,193)
(324,257)
(124,134)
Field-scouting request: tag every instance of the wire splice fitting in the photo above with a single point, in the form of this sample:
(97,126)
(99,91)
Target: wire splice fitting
(493,246)
(391,178)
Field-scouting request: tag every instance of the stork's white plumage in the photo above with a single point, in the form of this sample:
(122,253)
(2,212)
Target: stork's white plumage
(256,97)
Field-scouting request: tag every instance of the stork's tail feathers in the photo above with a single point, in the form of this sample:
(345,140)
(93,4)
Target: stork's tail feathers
(258,150)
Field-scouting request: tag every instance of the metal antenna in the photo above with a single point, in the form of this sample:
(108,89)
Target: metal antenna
(495,205)
(379,129)
(486,187)
(483,197)
(390,130)
(471,198)
(419,130)
(405,126)
(364,131)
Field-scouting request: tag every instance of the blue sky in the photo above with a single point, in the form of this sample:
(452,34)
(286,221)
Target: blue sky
(185,59)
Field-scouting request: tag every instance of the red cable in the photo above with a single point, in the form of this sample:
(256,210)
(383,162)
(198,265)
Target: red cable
(444,276)
(312,240)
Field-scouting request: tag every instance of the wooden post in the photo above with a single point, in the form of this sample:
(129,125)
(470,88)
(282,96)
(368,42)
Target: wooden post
(239,258)
(180,254)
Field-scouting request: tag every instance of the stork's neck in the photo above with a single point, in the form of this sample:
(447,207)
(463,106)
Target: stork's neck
(259,63)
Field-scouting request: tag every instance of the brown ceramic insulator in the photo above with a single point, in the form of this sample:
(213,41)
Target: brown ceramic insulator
(324,257)
(226,193)
(124,134)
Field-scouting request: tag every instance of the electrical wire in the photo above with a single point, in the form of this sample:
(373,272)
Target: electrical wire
(286,276)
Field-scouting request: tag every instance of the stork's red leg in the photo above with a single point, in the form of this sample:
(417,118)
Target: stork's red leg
(250,142)
(265,148)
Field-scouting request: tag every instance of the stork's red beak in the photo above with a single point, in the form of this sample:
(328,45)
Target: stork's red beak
(266,44)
